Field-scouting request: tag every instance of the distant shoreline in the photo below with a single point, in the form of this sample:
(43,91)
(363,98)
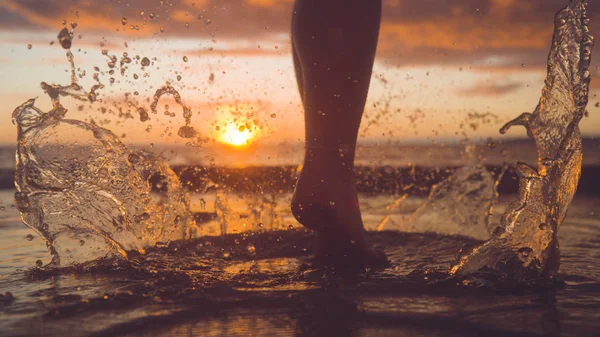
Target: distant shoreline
(381,168)
(491,152)
(386,179)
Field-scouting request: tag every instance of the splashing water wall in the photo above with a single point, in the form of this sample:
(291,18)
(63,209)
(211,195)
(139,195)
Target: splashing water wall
(525,245)
(93,198)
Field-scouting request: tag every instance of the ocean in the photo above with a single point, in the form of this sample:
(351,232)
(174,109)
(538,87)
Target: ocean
(259,279)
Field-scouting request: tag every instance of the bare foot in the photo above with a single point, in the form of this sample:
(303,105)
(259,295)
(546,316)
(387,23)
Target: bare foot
(325,200)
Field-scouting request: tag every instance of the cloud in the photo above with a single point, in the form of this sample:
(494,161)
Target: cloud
(490,89)
(50,14)
(268,3)
(413,32)
(258,51)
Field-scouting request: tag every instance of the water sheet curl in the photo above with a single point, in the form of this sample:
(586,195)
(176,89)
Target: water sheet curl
(525,245)
(84,192)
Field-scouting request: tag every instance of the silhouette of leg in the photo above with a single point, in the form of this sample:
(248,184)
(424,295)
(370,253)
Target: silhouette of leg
(334,44)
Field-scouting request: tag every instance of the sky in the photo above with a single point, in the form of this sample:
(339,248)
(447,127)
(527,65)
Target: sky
(444,70)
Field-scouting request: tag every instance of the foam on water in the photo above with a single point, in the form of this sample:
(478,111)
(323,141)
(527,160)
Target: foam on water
(525,245)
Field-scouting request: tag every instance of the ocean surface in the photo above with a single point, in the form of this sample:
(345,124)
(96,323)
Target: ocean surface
(259,280)
(494,152)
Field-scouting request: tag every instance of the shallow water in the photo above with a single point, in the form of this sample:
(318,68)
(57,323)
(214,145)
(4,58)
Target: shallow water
(263,283)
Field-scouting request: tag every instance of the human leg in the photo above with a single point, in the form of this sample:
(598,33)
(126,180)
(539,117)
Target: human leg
(334,44)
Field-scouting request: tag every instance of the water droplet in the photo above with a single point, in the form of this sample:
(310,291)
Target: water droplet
(29,46)
(241,128)
(207,21)
(217,128)
(143,114)
(64,38)
(179,77)
(251,249)
(39,263)
(261,225)
(187,131)
(124,21)
(273,115)
(2,208)
(29,237)
(185,59)
(226,255)
(145,62)
(81,242)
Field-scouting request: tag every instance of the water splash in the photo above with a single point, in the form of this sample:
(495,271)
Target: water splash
(84,192)
(460,204)
(525,245)
(185,131)
(74,90)
(223,210)
(93,190)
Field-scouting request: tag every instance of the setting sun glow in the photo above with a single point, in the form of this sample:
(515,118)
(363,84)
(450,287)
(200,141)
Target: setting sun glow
(236,135)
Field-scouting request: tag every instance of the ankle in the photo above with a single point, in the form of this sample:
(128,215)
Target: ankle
(331,157)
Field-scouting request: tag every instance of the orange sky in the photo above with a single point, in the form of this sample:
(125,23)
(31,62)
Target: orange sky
(440,66)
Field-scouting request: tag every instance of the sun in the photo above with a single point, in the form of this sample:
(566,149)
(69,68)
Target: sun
(238,125)
(236,135)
